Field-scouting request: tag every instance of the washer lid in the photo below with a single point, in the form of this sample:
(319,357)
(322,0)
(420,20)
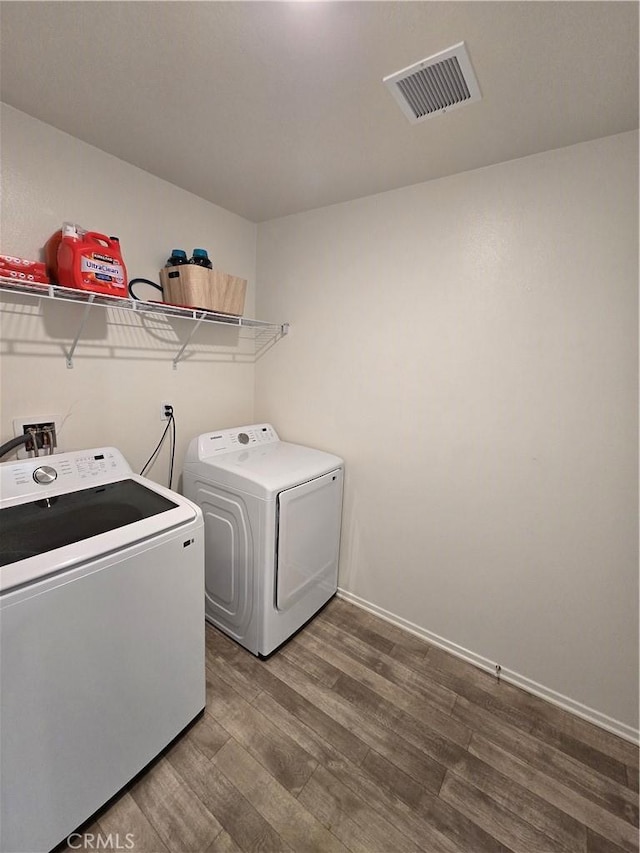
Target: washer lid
(264,470)
(90,505)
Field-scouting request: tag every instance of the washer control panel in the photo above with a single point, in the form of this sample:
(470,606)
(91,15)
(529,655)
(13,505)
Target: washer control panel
(61,472)
(228,440)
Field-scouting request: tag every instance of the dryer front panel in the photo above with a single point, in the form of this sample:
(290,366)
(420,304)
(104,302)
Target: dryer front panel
(228,561)
(309,518)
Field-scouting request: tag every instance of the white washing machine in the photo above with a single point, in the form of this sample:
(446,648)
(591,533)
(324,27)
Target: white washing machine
(272,513)
(101,636)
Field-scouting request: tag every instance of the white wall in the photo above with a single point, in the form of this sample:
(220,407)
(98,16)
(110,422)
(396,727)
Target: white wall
(121,372)
(469,346)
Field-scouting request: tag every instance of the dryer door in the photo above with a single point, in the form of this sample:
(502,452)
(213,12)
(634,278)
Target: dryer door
(309,517)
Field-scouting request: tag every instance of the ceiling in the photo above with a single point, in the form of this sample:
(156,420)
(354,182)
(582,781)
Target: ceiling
(272,108)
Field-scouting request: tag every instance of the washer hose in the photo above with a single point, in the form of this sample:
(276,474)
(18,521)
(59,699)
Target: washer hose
(8,446)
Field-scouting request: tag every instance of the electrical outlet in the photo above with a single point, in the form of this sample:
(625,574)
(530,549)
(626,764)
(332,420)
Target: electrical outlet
(44,430)
(166,410)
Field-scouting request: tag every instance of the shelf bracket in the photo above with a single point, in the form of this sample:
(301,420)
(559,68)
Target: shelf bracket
(186,343)
(69,355)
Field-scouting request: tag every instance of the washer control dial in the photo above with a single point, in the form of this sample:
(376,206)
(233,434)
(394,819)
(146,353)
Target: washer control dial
(44,475)
(243,438)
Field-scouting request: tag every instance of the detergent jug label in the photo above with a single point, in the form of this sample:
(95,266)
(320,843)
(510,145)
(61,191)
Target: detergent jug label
(102,268)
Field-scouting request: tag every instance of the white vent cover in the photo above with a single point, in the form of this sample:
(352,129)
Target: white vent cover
(444,81)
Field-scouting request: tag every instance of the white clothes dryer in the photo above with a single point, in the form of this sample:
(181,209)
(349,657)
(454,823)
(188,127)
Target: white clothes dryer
(272,513)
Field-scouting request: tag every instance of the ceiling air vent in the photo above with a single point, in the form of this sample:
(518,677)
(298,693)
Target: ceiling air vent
(439,83)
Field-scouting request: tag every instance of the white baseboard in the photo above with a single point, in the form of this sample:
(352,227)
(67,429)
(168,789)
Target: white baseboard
(591,715)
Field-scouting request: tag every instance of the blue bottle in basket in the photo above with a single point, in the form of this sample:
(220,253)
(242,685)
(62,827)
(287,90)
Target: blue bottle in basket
(177,258)
(200,257)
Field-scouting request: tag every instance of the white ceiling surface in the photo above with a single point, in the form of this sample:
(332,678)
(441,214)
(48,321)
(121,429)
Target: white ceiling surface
(271,108)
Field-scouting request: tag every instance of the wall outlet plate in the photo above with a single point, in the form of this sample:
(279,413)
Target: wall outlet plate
(163,410)
(19,425)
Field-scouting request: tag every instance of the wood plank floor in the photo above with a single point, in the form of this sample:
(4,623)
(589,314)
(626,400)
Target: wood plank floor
(357,736)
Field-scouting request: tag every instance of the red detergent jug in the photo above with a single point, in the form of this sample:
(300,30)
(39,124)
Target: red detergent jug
(51,256)
(91,261)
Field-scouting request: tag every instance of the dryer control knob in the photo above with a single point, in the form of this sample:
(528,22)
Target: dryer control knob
(44,475)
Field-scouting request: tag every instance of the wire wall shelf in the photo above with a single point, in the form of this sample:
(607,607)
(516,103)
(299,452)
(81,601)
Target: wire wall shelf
(262,332)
